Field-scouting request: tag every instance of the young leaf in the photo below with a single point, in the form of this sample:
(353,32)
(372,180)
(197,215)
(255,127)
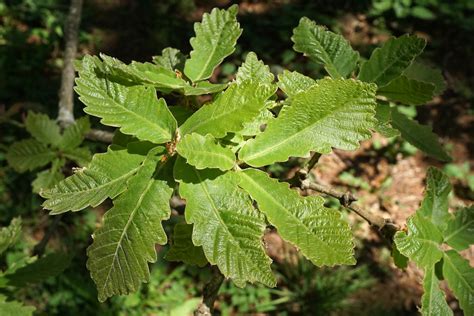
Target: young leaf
(171,58)
(42,128)
(435,203)
(383,116)
(391,60)
(237,105)
(40,270)
(48,178)
(332,113)
(74,134)
(14,308)
(419,136)
(433,302)
(422,242)
(136,73)
(204,152)
(29,154)
(293,82)
(215,39)
(81,156)
(135,109)
(459,233)
(408,91)
(422,72)
(319,232)
(460,277)
(254,69)
(325,47)
(105,177)
(123,246)
(9,235)
(182,249)
(226,225)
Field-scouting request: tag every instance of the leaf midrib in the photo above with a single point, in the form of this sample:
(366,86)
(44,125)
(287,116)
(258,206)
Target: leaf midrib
(447,238)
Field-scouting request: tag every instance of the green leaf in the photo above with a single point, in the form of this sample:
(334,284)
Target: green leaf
(325,47)
(422,242)
(332,113)
(123,246)
(433,302)
(82,155)
(105,177)
(42,128)
(135,109)
(383,115)
(215,39)
(74,134)
(408,91)
(14,308)
(182,249)
(390,61)
(434,206)
(459,233)
(255,127)
(48,178)
(419,136)
(171,58)
(422,72)
(40,270)
(254,69)
(293,82)
(203,87)
(400,260)
(29,154)
(9,235)
(237,105)
(204,152)
(136,73)
(226,225)
(460,277)
(318,232)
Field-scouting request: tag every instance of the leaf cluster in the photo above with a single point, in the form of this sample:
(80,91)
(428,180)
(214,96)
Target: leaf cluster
(210,152)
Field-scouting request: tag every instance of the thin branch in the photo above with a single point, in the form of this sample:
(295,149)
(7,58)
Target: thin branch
(100,135)
(385,226)
(211,290)
(66,92)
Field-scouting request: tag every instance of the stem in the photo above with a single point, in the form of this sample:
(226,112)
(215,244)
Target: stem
(66,92)
(386,227)
(102,136)
(39,249)
(211,290)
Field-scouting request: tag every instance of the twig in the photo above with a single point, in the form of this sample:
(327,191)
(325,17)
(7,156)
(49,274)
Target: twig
(211,290)
(39,249)
(99,135)
(66,92)
(386,227)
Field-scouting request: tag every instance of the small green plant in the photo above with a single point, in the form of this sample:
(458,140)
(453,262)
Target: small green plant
(49,147)
(213,154)
(23,270)
(430,230)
